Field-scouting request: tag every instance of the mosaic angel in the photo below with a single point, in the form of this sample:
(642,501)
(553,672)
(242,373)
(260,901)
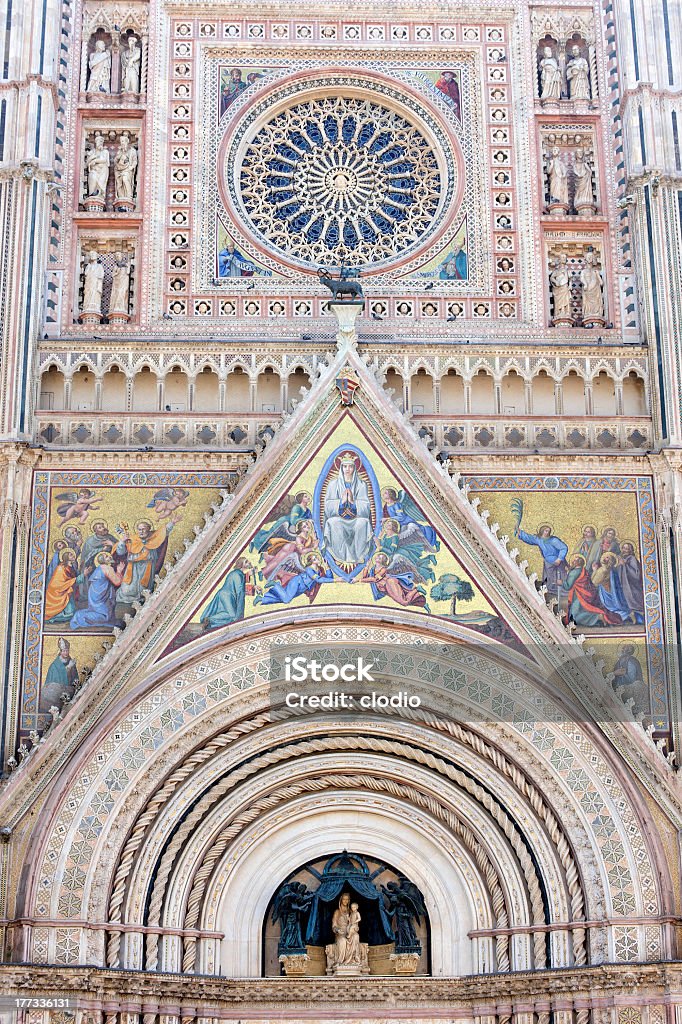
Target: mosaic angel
(77,505)
(314,573)
(400,586)
(286,514)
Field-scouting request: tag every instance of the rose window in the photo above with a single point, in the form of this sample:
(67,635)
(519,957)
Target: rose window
(340,179)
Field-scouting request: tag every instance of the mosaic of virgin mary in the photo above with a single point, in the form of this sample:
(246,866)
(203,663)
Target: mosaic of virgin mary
(346,510)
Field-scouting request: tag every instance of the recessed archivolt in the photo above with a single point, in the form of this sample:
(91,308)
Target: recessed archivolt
(188,845)
(496,873)
(556,865)
(383,827)
(203,736)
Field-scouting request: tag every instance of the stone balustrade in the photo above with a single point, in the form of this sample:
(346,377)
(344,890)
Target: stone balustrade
(243,431)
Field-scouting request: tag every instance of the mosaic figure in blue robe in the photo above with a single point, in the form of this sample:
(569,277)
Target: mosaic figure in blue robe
(554,551)
(227,606)
(103,586)
(231,263)
(285,590)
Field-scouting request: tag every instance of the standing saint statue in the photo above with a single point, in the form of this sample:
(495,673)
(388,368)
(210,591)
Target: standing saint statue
(558,180)
(593,296)
(583,198)
(131,60)
(120,285)
(550,76)
(560,280)
(125,171)
(97,166)
(99,65)
(93,283)
(578,76)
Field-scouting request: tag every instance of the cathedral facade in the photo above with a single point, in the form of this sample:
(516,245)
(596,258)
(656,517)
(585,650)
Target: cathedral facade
(341,511)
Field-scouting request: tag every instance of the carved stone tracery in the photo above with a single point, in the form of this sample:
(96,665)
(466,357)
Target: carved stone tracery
(341,179)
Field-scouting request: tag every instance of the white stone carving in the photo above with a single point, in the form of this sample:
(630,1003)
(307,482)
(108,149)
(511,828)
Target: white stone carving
(131,61)
(125,174)
(120,290)
(97,167)
(558,181)
(99,65)
(551,78)
(560,281)
(578,76)
(583,198)
(592,292)
(92,289)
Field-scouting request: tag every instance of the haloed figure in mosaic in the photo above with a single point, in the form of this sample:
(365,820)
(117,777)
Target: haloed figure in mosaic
(144,553)
(347,526)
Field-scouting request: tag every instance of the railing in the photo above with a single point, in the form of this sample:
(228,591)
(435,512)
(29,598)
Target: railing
(542,433)
(247,430)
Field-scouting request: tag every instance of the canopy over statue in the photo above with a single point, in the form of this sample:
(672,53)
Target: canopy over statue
(348,872)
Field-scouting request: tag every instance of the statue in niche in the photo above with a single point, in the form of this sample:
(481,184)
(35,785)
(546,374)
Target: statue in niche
(583,198)
(99,65)
(291,903)
(592,288)
(120,285)
(578,76)
(97,166)
(125,171)
(131,60)
(558,180)
(560,281)
(405,904)
(346,950)
(93,284)
(551,78)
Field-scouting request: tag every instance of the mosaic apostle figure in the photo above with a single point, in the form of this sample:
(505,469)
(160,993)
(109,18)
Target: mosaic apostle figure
(99,65)
(144,553)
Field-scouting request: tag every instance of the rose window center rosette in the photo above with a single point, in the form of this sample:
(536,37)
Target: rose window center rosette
(341,179)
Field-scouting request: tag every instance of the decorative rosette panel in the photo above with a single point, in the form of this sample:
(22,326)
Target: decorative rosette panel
(342,180)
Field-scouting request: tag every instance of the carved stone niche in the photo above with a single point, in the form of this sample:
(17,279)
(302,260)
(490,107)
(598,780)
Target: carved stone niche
(115,25)
(575,152)
(559,32)
(111,299)
(576,282)
(120,164)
